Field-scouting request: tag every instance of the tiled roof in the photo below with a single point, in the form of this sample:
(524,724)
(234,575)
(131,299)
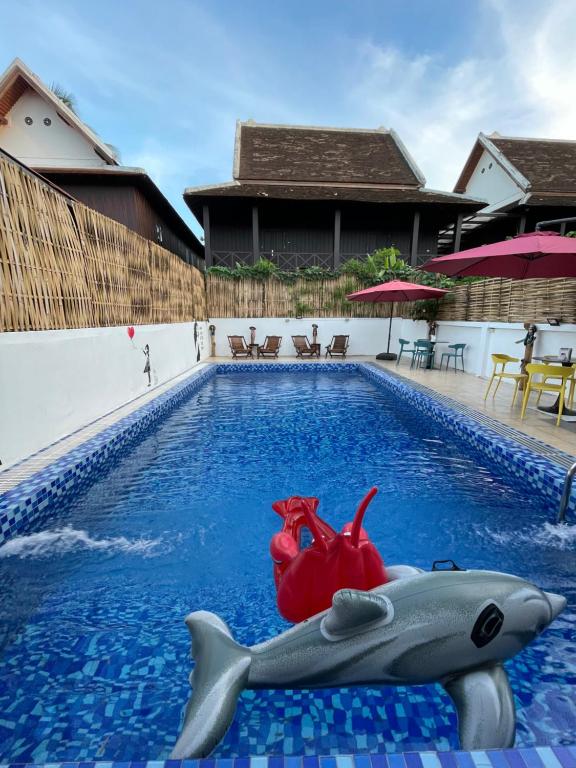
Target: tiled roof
(293,153)
(549,166)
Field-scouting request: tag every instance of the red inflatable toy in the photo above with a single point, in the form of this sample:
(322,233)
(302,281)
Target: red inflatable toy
(306,579)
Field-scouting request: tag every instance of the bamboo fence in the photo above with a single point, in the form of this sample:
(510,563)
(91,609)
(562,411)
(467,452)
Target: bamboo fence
(511,301)
(247,297)
(494,299)
(63,265)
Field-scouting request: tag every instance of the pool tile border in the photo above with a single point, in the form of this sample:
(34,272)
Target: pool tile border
(527,757)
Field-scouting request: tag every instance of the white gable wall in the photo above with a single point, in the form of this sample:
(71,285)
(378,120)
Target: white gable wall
(58,145)
(491,182)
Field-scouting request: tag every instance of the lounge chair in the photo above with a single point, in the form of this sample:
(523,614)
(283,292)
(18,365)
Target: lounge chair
(238,346)
(338,346)
(304,348)
(270,347)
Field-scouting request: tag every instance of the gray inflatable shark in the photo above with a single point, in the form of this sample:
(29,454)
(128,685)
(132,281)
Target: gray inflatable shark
(452,627)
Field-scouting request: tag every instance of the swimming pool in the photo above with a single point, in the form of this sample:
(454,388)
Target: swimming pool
(94,660)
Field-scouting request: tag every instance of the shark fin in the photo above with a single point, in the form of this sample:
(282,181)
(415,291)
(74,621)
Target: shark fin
(219,676)
(354,611)
(485,707)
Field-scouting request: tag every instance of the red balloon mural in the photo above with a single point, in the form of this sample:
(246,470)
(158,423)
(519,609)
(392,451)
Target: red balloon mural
(131,332)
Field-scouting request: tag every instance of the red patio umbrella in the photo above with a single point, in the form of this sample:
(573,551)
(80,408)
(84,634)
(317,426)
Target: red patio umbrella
(536,254)
(393,291)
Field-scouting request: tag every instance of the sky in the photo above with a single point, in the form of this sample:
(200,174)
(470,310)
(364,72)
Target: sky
(166,81)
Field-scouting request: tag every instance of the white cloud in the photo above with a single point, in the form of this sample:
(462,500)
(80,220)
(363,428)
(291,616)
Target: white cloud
(517,80)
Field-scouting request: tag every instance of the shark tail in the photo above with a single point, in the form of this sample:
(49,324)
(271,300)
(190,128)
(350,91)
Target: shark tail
(219,676)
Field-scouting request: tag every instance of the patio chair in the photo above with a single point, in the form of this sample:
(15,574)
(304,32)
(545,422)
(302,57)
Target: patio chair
(238,346)
(552,375)
(271,347)
(403,344)
(457,354)
(338,346)
(304,348)
(503,360)
(423,352)
(536,369)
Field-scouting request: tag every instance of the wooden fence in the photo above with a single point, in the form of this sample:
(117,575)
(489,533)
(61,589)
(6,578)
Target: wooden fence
(63,265)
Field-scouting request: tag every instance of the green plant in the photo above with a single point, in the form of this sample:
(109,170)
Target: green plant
(301,309)
(426,309)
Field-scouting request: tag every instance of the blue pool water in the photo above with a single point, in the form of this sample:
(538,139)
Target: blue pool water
(94,655)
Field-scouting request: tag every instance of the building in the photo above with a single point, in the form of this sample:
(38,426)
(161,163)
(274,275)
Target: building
(524,181)
(305,196)
(39,130)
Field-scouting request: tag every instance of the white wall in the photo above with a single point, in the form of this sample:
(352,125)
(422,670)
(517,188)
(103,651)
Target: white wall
(368,336)
(491,182)
(38,145)
(54,382)
(485,339)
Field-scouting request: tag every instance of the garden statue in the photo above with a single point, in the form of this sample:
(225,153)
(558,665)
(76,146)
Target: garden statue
(212,329)
(528,342)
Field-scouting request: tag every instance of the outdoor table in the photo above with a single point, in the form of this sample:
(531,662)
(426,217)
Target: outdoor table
(315,349)
(429,361)
(254,348)
(552,410)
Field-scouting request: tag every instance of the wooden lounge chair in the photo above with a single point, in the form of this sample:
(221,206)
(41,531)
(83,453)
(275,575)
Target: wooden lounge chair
(338,346)
(304,348)
(238,346)
(271,346)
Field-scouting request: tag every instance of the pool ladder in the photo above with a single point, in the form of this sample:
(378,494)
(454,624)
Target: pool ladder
(566,494)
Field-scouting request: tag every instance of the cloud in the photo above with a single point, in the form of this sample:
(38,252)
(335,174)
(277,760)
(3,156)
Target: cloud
(517,80)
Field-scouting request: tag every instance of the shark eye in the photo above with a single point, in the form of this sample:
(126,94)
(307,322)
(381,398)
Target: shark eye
(487,626)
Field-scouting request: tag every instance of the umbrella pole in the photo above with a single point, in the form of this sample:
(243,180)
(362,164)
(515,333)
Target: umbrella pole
(388,355)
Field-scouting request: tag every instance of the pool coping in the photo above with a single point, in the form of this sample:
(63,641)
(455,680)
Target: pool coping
(30,501)
(523,757)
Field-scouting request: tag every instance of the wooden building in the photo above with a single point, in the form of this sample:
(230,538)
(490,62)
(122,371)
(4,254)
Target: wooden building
(524,181)
(304,196)
(40,131)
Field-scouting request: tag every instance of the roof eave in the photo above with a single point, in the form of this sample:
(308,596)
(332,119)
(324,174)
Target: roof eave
(408,157)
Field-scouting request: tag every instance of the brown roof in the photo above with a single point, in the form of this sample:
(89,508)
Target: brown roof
(537,165)
(195,196)
(549,166)
(122,175)
(294,153)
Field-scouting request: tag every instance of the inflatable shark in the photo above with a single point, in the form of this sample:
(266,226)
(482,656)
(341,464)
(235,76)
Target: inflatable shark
(453,627)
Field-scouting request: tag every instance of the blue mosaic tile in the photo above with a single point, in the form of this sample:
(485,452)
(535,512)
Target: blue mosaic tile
(32,501)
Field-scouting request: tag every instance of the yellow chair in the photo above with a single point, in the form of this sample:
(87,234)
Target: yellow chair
(549,375)
(503,360)
(542,369)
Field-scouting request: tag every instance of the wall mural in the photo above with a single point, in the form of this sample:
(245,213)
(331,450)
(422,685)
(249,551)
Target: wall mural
(199,339)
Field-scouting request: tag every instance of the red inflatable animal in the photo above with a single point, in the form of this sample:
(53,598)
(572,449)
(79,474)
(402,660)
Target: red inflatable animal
(306,579)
